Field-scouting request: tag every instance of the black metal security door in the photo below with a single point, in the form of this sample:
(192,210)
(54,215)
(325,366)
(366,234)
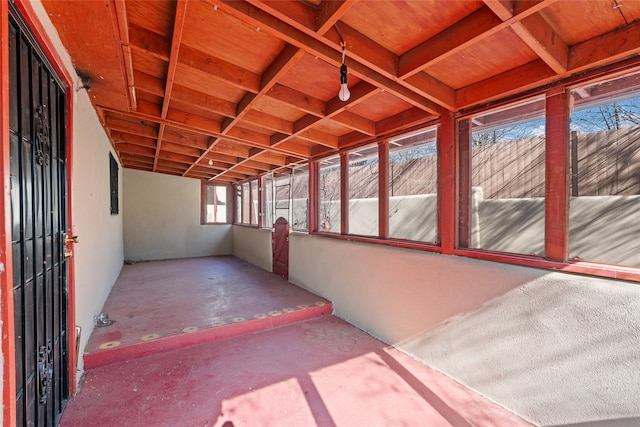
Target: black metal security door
(38,207)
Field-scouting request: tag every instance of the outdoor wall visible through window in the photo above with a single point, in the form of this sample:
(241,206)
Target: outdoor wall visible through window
(215,204)
(254,202)
(508,179)
(605,172)
(246,204)
(363,181)
(329,195)
(300,198)
(413,186)
(267,201)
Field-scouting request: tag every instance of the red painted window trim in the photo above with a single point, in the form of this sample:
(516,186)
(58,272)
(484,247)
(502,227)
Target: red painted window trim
(314,205)
(464,177)
(260,202)
(344,193)
(447,167)
(556,198)
(383,189)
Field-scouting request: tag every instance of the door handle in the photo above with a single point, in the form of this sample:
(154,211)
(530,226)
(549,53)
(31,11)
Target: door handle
(70,239)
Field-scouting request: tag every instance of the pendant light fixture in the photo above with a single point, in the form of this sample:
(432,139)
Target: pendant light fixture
(343,94)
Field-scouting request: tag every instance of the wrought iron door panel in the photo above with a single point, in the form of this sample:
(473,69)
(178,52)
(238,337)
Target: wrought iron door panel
(38,207)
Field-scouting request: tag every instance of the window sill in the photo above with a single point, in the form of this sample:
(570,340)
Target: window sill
(609,271)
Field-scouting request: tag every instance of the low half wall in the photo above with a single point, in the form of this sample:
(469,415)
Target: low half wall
(554,348)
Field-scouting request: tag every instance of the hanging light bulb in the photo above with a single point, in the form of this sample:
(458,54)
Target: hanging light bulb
(344,93)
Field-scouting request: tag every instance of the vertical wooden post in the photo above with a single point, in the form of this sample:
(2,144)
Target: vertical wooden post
(383,192)
(447,157)
(556,211)
(314,205)
(464,173)
(344,193)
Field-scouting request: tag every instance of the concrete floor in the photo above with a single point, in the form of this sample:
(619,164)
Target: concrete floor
(308,369)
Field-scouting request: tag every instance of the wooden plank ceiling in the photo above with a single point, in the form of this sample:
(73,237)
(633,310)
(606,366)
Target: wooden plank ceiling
(227,90)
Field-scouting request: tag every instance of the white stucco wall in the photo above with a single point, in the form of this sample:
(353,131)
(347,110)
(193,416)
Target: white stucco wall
(555,348)
(162,219)
(254,246)
(98,257)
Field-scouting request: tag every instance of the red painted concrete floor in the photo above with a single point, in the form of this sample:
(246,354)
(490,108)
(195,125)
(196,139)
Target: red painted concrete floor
(164,305)
(320,372)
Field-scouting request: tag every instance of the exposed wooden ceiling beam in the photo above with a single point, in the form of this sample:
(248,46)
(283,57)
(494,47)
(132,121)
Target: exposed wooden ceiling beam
(285,60)
(178,27)
(298,99)
(454,39)
(356,122)
(322,48)
(331,12)
(199,63)
(368,54)
(122,26)
(533,29)
(618,44)
(544,41)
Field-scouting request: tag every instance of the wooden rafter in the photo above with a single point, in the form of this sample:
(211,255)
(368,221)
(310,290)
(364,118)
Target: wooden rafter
(181,10)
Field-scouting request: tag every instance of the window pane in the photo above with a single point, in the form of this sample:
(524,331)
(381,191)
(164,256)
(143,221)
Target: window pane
(413,186)
(215,203)
(329,195)
(507,179)
(267,201)
(246,204)
(254,202)
(209,213)
(282,190)
(220,203)
(605,172)
(238,204)
(300,199)
(363,191)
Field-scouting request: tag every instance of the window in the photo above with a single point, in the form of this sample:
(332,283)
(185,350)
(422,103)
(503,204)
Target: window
(508,179)
(113,184)
(238,204)
(329,195)
(282,196)
(413,186)
(246,204)
(214,204)
(254,202)
(300,198)
(267,201)
(605,172)
(363,191)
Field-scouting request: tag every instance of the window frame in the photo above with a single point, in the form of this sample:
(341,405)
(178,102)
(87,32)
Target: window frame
(203,203)
(454,179)
(114,189)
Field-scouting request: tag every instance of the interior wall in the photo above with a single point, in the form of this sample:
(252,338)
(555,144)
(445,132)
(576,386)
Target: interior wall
(98,257)
(554,348)
(162,219)
(254,246)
